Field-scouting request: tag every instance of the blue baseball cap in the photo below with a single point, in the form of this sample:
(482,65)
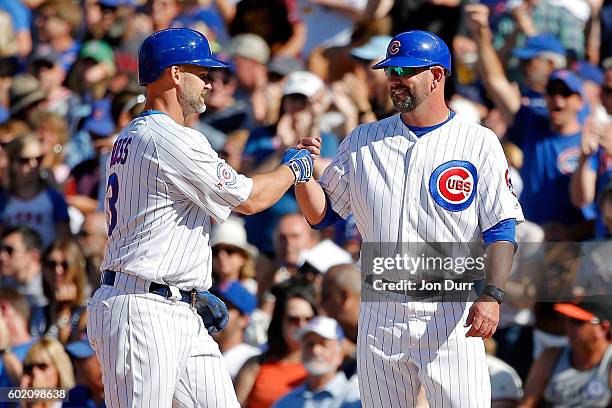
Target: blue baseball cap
(236,295)
(100,121)
(569,79)
(416,49)
(80,349)
(374,49)
(538,44)
(589,72)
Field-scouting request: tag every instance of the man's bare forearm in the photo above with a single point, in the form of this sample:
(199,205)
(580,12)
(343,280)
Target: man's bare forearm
(267,189)
(311,199)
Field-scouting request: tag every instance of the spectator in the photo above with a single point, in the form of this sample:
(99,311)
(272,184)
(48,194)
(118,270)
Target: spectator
(47,366)
(292,235)
(8,44)
(240,304)
(46,66)
(9,130)
(57,23)
(22,21)
(52,130)
(506,385)
(92,240)
(321,342)
(251,54)
(15,339)
(551,148)
(578,374)
(340,299)
(64,285)
(233,257)
(90,79)
(263,379)
(163,13)
(20,268)
(539,57)
(29,199)
(89,389)
(26,96)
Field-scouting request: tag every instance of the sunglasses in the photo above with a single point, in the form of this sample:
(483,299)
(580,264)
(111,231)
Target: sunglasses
(8,249)
(28,160)
(298,319)
(230,250)
(404,71)
(220,77)
(53,264)
(29,368)
(606,90)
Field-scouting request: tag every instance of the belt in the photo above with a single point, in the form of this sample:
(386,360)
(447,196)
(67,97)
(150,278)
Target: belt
(187,296)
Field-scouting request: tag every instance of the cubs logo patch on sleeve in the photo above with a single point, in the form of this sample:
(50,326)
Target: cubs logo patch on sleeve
(452,185)
(226,175)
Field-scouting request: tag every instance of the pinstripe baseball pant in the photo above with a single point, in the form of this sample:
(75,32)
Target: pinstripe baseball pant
(155,352)
(402,346)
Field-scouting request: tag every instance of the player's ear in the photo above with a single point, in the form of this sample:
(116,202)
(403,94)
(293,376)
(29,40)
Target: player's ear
(438,76)
(175,73)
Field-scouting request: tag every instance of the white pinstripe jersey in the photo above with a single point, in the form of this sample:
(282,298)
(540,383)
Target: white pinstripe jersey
(164,184)
(448,185)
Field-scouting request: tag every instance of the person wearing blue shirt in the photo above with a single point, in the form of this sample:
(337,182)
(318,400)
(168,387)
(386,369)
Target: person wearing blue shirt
(89,391)
(21,17)
(551,148)
(326,387)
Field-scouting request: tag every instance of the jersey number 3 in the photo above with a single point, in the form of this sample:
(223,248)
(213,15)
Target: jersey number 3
(112,194)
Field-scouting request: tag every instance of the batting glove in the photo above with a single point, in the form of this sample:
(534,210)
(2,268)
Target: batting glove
(300,163)
(212,310)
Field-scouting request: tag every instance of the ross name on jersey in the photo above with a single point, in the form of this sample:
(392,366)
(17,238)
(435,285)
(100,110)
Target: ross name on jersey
(120,151)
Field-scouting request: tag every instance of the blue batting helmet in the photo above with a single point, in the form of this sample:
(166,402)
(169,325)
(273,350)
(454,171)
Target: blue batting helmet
(416,49)
(173,46)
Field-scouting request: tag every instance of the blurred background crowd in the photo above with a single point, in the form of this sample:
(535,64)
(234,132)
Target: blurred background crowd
(537,72)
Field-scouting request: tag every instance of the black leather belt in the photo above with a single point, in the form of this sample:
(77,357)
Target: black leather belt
(187,296)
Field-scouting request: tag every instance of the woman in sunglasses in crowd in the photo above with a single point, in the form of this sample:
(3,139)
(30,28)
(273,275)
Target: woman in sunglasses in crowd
(47,366)
(28,199)
(64,284)
(265,378)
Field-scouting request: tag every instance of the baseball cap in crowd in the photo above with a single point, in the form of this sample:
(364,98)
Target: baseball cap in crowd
(607,63)
(303,83)
(505,382)
(234,293)
(589,72)
(80,349)
(284,65)
(97,50)
(568,78)
(324,326)
(100,122)
(323,256)
(542,45)
(249,46)
(232,232)
(593,309)
(374,49)
(45,55)
(24,91)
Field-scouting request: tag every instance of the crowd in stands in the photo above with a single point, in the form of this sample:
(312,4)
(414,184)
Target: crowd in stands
(536,72)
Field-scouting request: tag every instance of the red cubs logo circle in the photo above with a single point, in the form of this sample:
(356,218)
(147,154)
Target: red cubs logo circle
(394,47)
(453,185)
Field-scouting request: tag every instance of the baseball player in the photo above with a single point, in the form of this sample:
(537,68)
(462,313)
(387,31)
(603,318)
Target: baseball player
(424,175)
(165,187)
